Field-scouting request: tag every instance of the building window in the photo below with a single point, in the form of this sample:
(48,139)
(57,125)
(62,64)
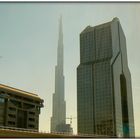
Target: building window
(11,123)
(11,115)
(32,113)
(32,119)
(2,100)
(31,126)
(16,103)
(11,108)
(28,106)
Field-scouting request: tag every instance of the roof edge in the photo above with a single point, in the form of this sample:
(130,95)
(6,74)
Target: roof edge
(20,91)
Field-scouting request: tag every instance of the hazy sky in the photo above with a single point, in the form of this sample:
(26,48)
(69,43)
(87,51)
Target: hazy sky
(28,45)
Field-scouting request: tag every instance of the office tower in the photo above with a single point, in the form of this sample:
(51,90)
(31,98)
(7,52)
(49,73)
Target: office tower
(104,92)
(19,109)
(58,119)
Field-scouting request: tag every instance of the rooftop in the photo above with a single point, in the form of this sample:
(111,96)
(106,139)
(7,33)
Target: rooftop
(22,92)
(90,28)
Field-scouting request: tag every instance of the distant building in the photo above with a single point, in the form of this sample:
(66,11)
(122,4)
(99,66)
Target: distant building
(58,119)
(65,128)
(104,92)
(19,108)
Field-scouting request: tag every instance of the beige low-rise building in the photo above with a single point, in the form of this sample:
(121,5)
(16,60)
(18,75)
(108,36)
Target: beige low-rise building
(19,109)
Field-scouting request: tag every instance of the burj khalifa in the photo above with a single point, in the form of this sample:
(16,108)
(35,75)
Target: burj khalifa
(58,119)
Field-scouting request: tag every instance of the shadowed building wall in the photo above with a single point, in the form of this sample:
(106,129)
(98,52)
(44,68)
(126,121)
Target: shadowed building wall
(19,109)
(104,93)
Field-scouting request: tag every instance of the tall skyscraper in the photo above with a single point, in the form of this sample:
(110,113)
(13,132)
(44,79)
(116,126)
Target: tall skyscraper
(58,119)
(104,92)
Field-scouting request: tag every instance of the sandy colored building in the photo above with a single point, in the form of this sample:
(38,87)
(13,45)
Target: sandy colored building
(19,108)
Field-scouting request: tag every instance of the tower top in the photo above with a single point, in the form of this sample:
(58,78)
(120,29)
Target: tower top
(115,19)
(60,22)
(60,18)
(60,29)
(91,28)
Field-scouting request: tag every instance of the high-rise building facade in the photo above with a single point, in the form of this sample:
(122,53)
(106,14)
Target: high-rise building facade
(104,92)
(58,119)
(19,109)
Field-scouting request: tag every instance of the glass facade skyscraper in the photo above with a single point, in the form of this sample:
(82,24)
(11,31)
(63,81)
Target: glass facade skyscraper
(104,92)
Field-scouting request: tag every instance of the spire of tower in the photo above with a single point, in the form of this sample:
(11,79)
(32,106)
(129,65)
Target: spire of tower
(60,46)
(60,40)
(60,23)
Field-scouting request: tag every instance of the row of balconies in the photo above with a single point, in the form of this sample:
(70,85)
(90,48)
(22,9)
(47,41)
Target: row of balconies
(32,118)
